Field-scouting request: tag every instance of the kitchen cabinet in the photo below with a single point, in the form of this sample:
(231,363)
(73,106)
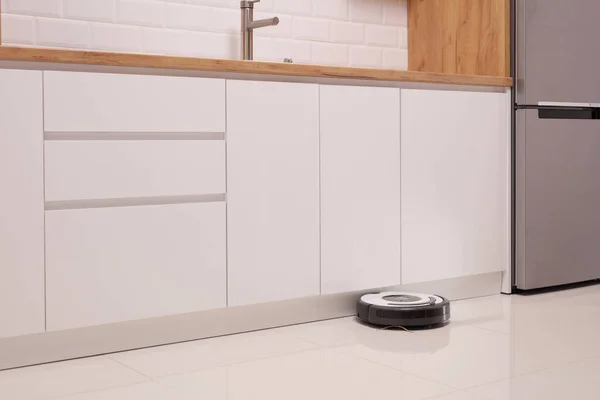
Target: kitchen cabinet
(360,188)
(455,184)
(272,191)
(21,203)
(83,102)
(115,264)
(113,169)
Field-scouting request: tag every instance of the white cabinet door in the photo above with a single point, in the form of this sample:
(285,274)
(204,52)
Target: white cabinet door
(108,265)
(360,188)
(21,203)
(455,184)
(272,191)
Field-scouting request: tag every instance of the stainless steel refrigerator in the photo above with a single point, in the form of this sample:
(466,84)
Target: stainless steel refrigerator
(557,142)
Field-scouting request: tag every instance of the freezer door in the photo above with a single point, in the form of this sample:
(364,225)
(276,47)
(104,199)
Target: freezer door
(558,201)
(558,51)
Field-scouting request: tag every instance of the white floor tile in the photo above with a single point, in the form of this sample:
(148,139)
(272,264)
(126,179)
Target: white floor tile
(460,357)
(493,313)
(458,396)
(143,391)
(65,378)
(315,374)
(191,356)
(496,348)
(207,384)
(572,381)
(327,333)
(550,333)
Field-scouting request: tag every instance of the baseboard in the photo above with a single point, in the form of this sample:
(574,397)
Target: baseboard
(76,343)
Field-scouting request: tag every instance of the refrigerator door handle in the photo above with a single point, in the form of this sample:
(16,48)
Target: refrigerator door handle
(565,104)
(569,113)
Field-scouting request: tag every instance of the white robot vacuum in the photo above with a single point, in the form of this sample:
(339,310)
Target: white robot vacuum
(404,309)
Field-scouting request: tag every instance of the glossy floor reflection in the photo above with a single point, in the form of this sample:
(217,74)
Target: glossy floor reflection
(545,346)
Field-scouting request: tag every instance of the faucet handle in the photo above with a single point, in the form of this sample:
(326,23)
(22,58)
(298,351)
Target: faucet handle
(248,3)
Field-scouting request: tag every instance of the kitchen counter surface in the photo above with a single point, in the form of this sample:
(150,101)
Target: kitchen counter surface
(29,54)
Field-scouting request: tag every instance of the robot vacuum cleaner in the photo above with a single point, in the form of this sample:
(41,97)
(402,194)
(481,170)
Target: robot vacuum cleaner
(404,309)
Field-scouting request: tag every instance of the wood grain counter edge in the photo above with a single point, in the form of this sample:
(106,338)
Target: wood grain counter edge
(29,54)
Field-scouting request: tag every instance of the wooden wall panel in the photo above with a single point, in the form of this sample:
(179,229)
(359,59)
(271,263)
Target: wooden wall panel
(469,37)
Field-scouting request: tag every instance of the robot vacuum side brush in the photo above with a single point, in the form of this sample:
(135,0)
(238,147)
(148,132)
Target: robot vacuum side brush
(404,309)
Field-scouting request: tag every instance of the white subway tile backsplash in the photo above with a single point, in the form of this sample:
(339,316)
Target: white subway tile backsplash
(223,20)
(48,8)
(403,38)
(186,16)
(162,41)
(263,5)
(141,12)
(219,45)
(296,7)
(334,9)
(311,29)
(114,37)
(222,3)
(367,11)
(367,57)
(189,44)
(347,32)
(200,18)
(17,29)
(62,33)
(395,13)
(89,10)
(369,33)
(273,49)
(330,54)
(395,59)
(382,35)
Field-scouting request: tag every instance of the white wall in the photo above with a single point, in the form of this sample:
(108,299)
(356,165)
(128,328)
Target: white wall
(360,33)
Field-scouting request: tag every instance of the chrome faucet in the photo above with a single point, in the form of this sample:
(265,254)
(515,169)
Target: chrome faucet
(249,25)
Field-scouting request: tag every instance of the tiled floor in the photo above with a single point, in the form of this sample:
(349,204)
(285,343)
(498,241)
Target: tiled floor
(497,348)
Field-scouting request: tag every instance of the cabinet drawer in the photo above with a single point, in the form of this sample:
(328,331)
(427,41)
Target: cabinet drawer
(85,170)
(108,265)
(92,102)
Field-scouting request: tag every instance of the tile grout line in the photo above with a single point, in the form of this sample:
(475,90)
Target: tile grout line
(454,389)
(448,394)
(488,329)
(512,377)
(130,368)
(221,365)
(85,392)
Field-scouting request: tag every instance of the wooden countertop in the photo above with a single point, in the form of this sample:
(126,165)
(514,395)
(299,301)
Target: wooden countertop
(28,54)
